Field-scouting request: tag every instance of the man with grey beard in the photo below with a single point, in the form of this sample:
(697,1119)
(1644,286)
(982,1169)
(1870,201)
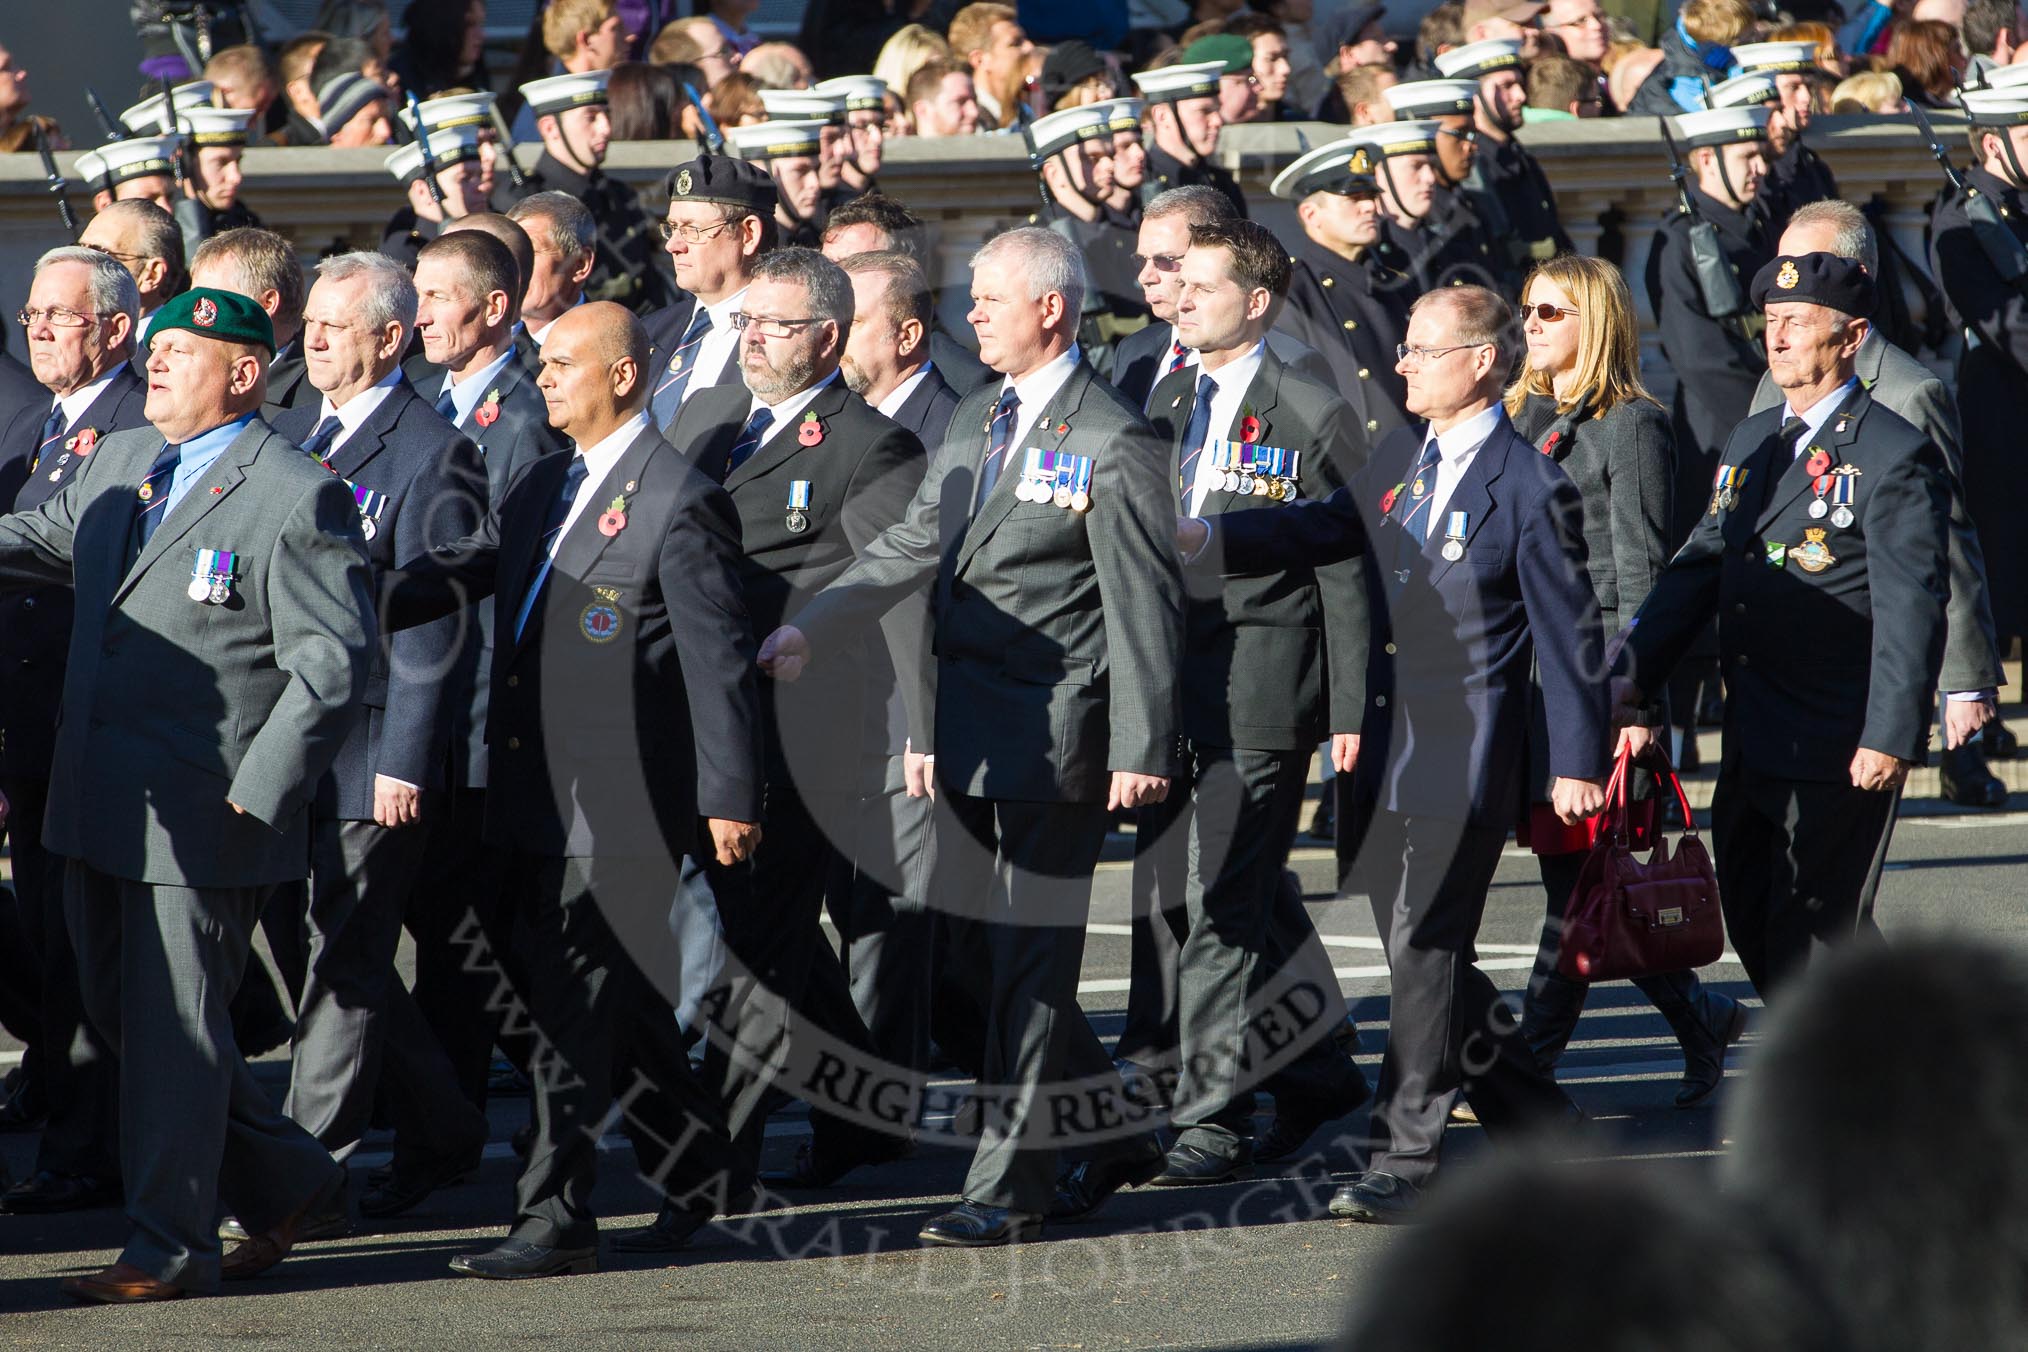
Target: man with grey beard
(815,474)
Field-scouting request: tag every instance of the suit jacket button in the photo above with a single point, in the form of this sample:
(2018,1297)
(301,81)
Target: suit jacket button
(1390,650)
(1380,701)
(513,743)
(1364,374)
(1741,659)
(513,681)
(28,603)
(1351,323)
(1739,608)
(1372,425)
(1329,281)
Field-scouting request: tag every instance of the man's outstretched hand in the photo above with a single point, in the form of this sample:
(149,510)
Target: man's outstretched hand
(784,653)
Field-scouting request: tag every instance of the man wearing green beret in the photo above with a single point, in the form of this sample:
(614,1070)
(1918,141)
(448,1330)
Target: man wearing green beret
(218,656)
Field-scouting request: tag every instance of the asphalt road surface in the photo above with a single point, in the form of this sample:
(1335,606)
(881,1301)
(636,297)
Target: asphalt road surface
(1248,1264)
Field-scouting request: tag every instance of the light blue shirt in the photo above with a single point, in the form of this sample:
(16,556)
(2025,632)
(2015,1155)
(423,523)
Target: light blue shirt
(195,456)
(466,395)
(1816,415)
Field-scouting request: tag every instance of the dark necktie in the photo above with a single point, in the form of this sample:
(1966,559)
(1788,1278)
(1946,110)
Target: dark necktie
(1194,433)
(1423,478)
(552,527)
(318,447)
(1178,354)
(53,427)
(668,396)
(1792,432)
(749,441)
(447,405)
(999,435)
(152,497)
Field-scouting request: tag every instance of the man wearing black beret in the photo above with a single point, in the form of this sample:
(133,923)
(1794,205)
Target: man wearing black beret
(1822,554)
(721,219)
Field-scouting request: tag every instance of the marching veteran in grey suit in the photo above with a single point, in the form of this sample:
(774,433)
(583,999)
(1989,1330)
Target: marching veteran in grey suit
(1046,522)
(224,624)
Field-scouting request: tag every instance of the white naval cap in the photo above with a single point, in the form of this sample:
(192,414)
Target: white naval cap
(1062,130)
(776,139)
(561,93)
(1431,98)
(1476,60)
(1722,126)
(121,161)
(1173,84)
(1776,58)
(1995,107)
(1388,139)
(450,110)
(1343,167)
(1741,91)
(147,117)
(210,126)
(1125,114)
(449,146)
(860,92)
(803,105)
(2003,77)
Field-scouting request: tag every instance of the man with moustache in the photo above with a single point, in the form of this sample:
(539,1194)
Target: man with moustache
(876,221)
(80,325)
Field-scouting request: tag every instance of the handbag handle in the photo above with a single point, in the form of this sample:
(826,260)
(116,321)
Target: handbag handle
(1657,757)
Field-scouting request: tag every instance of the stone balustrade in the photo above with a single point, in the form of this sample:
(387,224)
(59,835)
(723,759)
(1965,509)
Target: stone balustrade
(1610,175)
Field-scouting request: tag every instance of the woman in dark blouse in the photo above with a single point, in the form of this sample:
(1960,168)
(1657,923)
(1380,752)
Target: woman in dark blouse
(1579,399)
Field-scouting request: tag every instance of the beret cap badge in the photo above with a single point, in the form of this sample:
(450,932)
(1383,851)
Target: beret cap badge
(204,313)
(1787,278)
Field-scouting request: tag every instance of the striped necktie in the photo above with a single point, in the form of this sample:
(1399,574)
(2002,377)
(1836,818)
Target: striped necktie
(999,436)
(1178,354)
(750,438)
(1194,433)
(552,529)
(151,499)
(53,428)
(668,396)
(1421,492)
(318,447)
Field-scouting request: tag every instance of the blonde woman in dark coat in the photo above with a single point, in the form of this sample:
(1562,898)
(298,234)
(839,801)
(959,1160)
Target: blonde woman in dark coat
(1579,399)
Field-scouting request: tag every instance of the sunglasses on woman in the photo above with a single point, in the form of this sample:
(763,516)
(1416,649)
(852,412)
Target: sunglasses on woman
(1545,312)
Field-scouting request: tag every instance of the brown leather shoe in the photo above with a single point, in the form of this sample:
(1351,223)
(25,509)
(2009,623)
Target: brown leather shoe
(120,1284)
(257,1253)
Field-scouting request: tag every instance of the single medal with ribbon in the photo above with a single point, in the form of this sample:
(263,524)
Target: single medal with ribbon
(1291,475)
(1065,471)
(211,577)
(1080,488)
(1456,526)
(1820,485)
(1228,460)
(1031,476)
(1247,479)
(371,505)
(1261,462)
(1841,501)
(798,518)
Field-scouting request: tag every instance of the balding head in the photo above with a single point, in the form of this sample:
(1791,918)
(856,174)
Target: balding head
(594,366)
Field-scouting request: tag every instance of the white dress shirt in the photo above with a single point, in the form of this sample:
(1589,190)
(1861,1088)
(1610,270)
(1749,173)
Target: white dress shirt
(1233,380)
(466,394)
(900,394)
(356,411)
(788,411)
(78,400)
(1819,413)
(1456,449)
(599,459)
(716,346)
(1034,390)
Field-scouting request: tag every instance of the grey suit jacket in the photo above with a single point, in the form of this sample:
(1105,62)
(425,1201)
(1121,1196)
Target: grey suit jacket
(1057,632)
(1903,385)
(173,706)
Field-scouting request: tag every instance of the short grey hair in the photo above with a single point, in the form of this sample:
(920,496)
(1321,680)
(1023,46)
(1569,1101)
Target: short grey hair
(114,291)
(830,289)
(1851,233)
(567,225)
(262,261)
(1197,203)
(1048,260)
(1480,316)
(391,298)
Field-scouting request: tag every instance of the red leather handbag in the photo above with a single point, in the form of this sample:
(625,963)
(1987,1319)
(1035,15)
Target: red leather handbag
(1628,917)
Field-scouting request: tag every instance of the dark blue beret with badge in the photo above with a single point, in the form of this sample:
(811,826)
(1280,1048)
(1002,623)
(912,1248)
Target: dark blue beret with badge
(726,180)
(1817,278)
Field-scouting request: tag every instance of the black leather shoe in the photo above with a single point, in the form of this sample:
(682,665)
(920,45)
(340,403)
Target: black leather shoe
(1145,1084)
(1704,1069)
(1377,1197)
(407,1186)
(23,1110)
(1297,1120)
(49,1192)
(2000,742)
(1966,779)
(1324,821)
(818,1166)
(1186,1166)
(673,1228)
(971,1226)
(518,1260)
(1084,1187)
(333,1220)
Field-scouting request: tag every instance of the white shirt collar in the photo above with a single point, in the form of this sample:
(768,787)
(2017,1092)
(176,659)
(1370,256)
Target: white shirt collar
(541,335)
(1036,389)
(789,409)
(1460,441)
(359,407)
(901,393)
(602,455)
(78,400)
(1819,413)
(716,346)
(466,394)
